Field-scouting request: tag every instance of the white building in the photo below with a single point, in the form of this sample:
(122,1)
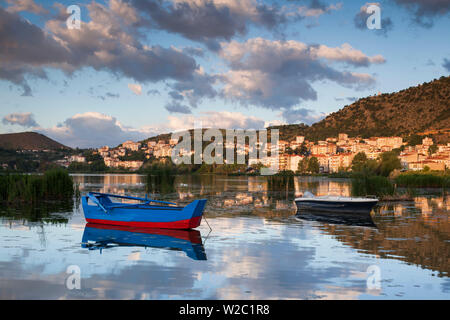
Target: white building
(77,158)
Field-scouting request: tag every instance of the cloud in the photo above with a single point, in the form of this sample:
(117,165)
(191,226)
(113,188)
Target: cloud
(110,42)
(303,115)
(259,53)
(22,119)
(346,53)
(430,63)
(153,92)
(213,119)
(124,10)
(211,21)
(136,88)
(194,51)
(112,95)
(200,86)
(425,10)
(175,107)
(269,90)
(446,64)
(25,5)
(279,74)
(273,123)
(360,20)
(317,8)
(93,129)
(24,49)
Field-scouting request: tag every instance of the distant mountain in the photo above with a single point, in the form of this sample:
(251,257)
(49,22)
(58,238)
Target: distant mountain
(421,109)
(29,141)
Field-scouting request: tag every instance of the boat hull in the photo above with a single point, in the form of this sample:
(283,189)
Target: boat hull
(146,216)
(99,236)
(335,206)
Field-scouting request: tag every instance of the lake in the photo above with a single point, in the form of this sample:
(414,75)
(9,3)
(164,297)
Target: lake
(257,248)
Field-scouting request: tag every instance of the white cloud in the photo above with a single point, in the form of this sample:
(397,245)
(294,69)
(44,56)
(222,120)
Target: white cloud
(213,119)
(93,129)
(317,11)
(278,75)
(110,41)
(25,5)
(136,88)
(272,123)
(21,119)
(124,10)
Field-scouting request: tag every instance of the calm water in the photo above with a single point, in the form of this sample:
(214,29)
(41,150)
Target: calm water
(257,249)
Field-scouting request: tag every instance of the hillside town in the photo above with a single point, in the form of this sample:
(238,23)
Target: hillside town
(333,154)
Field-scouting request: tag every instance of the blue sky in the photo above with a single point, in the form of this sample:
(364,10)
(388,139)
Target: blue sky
(265,62)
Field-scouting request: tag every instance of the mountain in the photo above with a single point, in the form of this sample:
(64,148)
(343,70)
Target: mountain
(29,141)
(416,110)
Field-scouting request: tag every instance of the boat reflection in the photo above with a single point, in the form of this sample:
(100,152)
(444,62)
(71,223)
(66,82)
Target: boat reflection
(97,236)
(349,219)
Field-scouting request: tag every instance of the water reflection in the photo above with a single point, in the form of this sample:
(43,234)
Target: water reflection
(99,237)
(51,212)
(415,232)
(257,249)
(361,220)
(426,218)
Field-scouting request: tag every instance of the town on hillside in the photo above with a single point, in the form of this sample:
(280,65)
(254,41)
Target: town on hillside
(333,154)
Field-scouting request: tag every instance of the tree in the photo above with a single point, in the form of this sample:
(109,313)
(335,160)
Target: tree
(361,164)
(91,157)
(302,165)
(133,156)
(414,140)
(313,165)
(303,149)
(432,149)
(389,162)
(359,161)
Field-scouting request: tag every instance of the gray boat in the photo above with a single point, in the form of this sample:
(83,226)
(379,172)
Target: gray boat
(335,204)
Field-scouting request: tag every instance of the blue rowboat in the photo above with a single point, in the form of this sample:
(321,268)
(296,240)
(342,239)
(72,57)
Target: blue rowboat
(102,236)
(98,208)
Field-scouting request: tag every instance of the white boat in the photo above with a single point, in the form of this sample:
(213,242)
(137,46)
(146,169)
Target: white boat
(338,204)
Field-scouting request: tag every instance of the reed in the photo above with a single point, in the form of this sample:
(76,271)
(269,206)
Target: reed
(55,184)
(48,212)
(423,180)
(380,186)
(161,180)
(283,181)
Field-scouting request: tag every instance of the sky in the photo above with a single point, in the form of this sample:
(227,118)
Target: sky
(131,69)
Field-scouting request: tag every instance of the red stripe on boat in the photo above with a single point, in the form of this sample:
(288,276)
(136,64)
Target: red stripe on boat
(181,224)
(189,235)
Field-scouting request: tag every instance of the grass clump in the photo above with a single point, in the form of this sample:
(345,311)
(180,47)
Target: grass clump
(55,184)
(423,180)
(282,181)
(380,186)
(160,180)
